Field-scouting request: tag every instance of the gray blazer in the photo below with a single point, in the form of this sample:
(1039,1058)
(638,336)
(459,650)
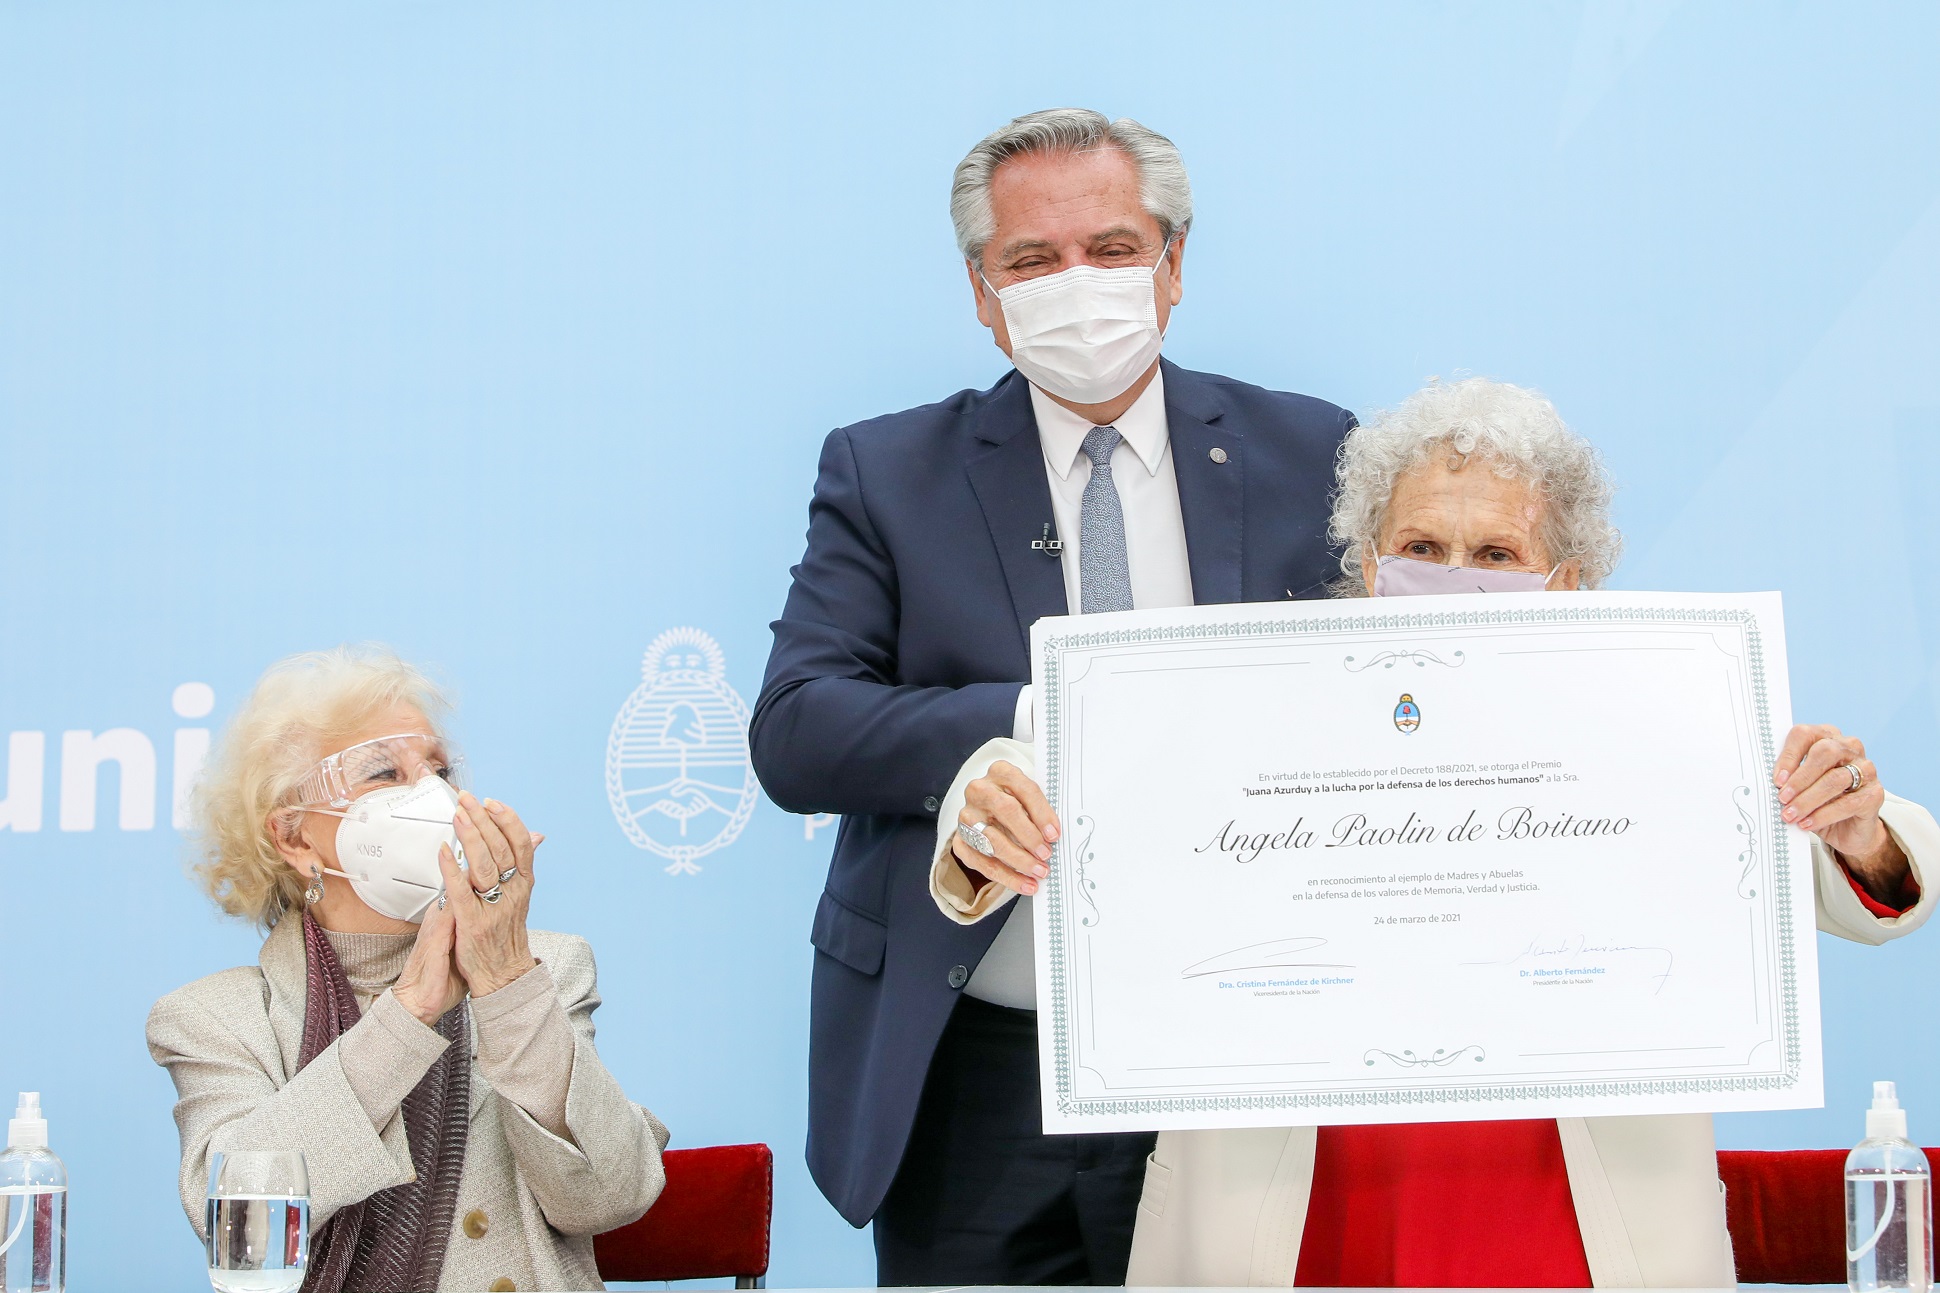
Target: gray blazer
(230,1042)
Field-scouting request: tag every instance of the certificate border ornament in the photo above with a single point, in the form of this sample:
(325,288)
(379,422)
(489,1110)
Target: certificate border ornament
(1440,1057)
(1054,895)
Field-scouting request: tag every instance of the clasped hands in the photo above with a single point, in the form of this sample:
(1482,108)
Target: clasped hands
(467,946)
(1814,787)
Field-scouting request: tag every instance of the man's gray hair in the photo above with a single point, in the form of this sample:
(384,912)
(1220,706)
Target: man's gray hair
(1514,432)
(1163,187)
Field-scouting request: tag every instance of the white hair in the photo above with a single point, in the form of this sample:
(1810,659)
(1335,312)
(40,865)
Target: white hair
(1163,187)
(1516,432)
(299,707)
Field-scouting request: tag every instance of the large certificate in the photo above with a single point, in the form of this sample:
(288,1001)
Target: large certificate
(1421,859)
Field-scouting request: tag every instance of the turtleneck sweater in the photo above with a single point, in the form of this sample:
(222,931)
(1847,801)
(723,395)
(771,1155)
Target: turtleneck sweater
(524,1040)
(371,962)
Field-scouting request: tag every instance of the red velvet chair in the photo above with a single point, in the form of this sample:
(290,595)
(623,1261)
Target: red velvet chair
(710,1222)
(1787,1213)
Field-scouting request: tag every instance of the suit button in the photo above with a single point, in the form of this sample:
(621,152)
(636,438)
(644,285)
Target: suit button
(476,1223)
(959,975)
(931,804)
(502,1285)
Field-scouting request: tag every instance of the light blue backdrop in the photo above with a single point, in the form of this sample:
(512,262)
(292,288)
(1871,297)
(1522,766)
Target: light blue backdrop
(508,335)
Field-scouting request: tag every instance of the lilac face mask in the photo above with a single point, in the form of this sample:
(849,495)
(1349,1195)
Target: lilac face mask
(1404,577)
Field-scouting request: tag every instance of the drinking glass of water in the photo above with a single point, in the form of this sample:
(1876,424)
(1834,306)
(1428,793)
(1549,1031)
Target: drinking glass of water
(259,1221)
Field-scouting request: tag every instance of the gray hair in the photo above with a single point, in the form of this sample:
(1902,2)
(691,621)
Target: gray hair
(1163,187)
(1516,432)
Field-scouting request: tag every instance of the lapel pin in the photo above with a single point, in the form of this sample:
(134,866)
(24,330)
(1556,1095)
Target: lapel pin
(1218,455)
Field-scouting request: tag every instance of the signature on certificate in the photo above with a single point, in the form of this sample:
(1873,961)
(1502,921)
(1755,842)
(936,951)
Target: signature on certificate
(1276,954)
(1550,951)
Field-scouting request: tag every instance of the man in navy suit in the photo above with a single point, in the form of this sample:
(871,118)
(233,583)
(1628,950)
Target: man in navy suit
(1095,477)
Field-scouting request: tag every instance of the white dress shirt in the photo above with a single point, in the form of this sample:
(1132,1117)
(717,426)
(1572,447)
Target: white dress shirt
(1148,493)
(1155,552)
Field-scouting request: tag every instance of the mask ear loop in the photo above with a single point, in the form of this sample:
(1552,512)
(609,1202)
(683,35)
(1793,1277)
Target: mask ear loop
(314,892)
(1156,265)
(1374,554)
(365,878)
(320,872)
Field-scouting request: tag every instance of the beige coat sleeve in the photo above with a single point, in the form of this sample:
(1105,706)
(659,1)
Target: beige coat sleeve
(525,1046)
(608,1173)
(382,1063)
(950,888)
(1839,909)
(227,1096)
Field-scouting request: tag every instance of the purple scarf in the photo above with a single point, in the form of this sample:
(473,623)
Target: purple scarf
(394,1240)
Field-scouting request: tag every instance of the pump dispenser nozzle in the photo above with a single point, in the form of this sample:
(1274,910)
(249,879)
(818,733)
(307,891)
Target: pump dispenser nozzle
(1885,1120)
(27,1129)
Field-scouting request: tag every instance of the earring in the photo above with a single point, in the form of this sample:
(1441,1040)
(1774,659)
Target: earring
(314,894)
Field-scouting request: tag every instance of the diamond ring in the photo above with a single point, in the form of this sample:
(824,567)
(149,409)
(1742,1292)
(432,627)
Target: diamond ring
(976,839)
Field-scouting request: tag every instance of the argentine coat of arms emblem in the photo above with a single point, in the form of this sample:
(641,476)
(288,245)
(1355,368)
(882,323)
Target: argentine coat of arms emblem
(678,774)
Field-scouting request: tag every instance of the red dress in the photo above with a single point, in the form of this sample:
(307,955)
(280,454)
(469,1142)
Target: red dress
(1452,1204)
(1442,1204)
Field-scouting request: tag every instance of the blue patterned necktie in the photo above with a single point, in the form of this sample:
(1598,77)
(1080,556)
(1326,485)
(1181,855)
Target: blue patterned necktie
(1104,575)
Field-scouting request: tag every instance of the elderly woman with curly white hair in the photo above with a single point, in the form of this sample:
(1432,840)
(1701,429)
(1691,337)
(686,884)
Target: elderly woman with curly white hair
(1477,486)
(431,1056)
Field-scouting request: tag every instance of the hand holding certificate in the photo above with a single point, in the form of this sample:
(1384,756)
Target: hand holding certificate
(1463,858)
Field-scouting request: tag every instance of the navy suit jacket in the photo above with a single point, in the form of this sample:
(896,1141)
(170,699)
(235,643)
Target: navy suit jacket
(901,650)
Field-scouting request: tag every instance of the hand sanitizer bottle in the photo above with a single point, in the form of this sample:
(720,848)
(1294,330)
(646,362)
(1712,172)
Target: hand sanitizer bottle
(1889,1208)
(33,1206)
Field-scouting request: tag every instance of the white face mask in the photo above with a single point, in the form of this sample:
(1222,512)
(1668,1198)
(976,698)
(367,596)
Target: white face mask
(387,846)
(1404,576)
(1085,334)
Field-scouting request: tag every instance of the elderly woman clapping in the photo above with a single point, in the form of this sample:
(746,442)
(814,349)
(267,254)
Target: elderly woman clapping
(431,1056)
(1475,487)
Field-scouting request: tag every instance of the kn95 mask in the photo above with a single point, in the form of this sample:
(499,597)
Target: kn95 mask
(387,846)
